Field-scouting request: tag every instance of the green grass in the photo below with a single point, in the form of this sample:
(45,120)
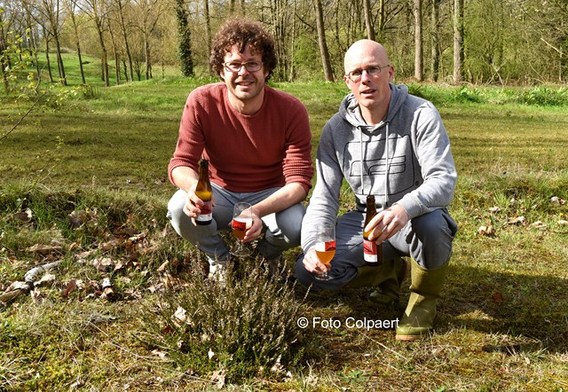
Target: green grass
(101,158)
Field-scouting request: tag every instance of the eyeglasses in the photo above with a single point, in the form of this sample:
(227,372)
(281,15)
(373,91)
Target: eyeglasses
(374,70)
(251,66)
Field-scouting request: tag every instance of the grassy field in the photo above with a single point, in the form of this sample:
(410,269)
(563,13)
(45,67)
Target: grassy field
(84,186)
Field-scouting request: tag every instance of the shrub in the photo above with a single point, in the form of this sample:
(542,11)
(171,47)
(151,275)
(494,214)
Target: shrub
(243,329)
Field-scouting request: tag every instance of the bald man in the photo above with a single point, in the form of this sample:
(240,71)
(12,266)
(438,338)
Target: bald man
(388,143)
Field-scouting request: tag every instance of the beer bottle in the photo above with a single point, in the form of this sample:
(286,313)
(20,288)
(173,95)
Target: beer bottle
(371,251)
(205,193)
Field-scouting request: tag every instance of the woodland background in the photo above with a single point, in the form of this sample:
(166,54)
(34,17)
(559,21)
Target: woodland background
(452,41)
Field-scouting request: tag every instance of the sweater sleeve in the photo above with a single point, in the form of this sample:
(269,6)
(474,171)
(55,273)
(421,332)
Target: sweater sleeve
(432,149)
(191,139)
(297,163)
(324,202)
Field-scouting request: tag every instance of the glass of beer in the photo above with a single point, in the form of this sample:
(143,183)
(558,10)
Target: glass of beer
(325,246)
(242,221)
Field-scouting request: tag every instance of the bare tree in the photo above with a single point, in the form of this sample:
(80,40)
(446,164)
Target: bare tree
(368,20)
(418,51)
(72,8)
(434,39)
(458,40)
(48,15)
(3,59)
(123,28)
(209,37)
(324,51)
(97,10)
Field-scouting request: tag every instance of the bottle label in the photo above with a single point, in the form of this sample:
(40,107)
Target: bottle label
(370,251)
(206,212)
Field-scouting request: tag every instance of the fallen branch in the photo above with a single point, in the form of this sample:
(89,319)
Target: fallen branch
(18,288)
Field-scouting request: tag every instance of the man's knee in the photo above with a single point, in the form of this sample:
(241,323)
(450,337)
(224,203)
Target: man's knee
(434,226)
(434,233)
(175,209)
(289,222)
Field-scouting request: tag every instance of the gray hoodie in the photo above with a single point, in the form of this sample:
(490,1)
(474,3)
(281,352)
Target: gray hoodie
(415,168)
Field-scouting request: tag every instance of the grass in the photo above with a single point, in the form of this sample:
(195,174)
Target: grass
(86,179)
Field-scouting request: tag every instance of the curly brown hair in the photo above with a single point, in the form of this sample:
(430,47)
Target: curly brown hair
(242,32)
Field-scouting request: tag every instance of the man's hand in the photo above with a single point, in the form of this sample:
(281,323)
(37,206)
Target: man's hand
(192,207)
(387,223)
(255,230)
(312,263)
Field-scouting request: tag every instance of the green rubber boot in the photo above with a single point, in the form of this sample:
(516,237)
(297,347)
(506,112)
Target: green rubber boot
(393,274)
(388,277)
(420,312)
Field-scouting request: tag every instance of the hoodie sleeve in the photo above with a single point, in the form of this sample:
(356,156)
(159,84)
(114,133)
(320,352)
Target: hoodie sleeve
(437,167)
(324,202)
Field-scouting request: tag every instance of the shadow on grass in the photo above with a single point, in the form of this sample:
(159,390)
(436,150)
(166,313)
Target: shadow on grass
(529,309)
(520,305)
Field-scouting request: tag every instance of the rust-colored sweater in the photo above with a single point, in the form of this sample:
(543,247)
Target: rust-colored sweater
(246,153)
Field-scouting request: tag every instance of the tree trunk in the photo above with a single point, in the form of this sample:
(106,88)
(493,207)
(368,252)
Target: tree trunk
(435,36)
(125,37)
(209,37)
(148,57)
(458,41)
(60,66)
(77,43)
(381,19)
(184,35)
(115,54)
(47,59)
(368,20)
(324,52)
(104,56)
(418,67)
(3,62)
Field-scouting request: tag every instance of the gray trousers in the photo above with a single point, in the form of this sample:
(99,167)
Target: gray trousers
(281,229)
(426,238)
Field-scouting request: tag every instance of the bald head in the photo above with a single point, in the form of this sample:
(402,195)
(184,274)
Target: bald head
(364,49)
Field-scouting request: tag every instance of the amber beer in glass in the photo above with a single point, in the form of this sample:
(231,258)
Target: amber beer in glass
(372,252)
(325,246)
(242,219)
(205,193)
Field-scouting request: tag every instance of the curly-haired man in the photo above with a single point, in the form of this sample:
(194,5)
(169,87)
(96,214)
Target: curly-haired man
(258,144)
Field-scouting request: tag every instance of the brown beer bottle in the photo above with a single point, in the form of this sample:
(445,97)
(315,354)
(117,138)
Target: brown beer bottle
(205,193)
(372,252)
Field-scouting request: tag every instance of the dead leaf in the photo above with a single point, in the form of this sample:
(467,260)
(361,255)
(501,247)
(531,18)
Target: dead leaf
(563,222)
(180,314)
(69,288)
(487,231)
(557,200)
(161,354)
(539,225)
(112,244)
(494,209)
(218,377)
(43,249)
(163,266)
(103,264)
(497,297)
(518,220)
(24,216)
(77,218)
